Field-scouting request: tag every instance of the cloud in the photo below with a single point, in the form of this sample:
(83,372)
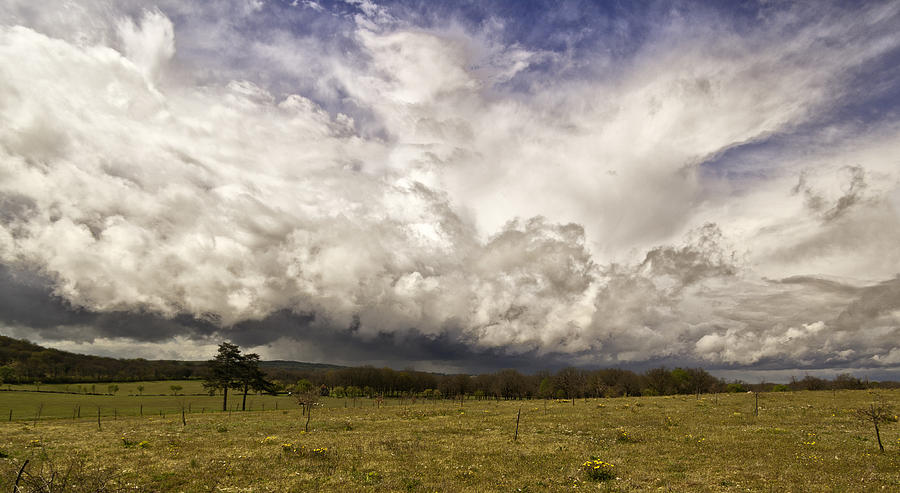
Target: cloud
(366,173)
(851,194)
(151,45)
(693,262)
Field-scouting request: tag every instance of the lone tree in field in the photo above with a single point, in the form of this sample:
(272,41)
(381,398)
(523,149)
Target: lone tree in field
(878,412)
(232,370)
(306,397)
(224,370)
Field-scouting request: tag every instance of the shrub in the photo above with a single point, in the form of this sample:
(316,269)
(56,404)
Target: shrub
(736,387)
(598,470)
(624,436)
(72,474)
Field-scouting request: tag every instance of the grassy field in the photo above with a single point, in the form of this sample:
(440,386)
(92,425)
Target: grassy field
(24,402)
(162,387)
(27,403)
(805,441)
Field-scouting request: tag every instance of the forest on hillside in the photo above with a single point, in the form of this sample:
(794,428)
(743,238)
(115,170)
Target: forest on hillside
(22,361)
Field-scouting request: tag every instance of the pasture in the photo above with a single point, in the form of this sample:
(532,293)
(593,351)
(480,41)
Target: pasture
(803,441)
(156,387)
(64,401)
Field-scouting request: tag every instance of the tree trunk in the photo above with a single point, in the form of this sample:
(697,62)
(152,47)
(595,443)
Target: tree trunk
(878,436)
(224,399)
(244,402)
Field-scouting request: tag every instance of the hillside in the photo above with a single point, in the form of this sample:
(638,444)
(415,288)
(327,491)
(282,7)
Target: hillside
(296,366)
(22,361)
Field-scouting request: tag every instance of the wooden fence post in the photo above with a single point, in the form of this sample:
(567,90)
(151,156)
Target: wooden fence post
(518,415)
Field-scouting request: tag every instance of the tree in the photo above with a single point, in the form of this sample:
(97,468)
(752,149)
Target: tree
(249,376)
(306,398)
(140,389)
(569,381)
(878,412)
(112,388)
(680,380)
(700,380)
(303,385)
(660,380)
(812,383)
(509,384)
(224,370)
(736,386)
(546,388)
(175,389)
(460,384)
(7,374)
(847,381)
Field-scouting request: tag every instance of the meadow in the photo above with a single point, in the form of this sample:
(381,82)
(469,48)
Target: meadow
(156,387)
(800,441)
(25,402)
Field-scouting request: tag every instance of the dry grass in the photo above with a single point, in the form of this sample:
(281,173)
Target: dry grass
(807,441)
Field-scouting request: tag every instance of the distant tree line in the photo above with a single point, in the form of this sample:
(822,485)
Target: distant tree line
(24,362)
(567,383)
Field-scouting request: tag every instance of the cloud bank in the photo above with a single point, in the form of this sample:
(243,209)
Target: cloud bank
(360,182)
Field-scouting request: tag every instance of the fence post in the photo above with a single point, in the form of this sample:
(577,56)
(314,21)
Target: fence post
(518,415)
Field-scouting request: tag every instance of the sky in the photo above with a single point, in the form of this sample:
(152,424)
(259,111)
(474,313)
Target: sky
(457,186)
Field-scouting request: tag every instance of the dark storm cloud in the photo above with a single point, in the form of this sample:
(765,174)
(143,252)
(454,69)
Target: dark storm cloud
(879,303)
(343,345)
(27,300)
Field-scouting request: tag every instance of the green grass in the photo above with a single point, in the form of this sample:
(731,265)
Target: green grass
(55,401)
(806,441)
(160,387)
(25,405)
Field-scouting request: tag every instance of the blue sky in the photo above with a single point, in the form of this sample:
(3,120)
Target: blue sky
(461,186)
